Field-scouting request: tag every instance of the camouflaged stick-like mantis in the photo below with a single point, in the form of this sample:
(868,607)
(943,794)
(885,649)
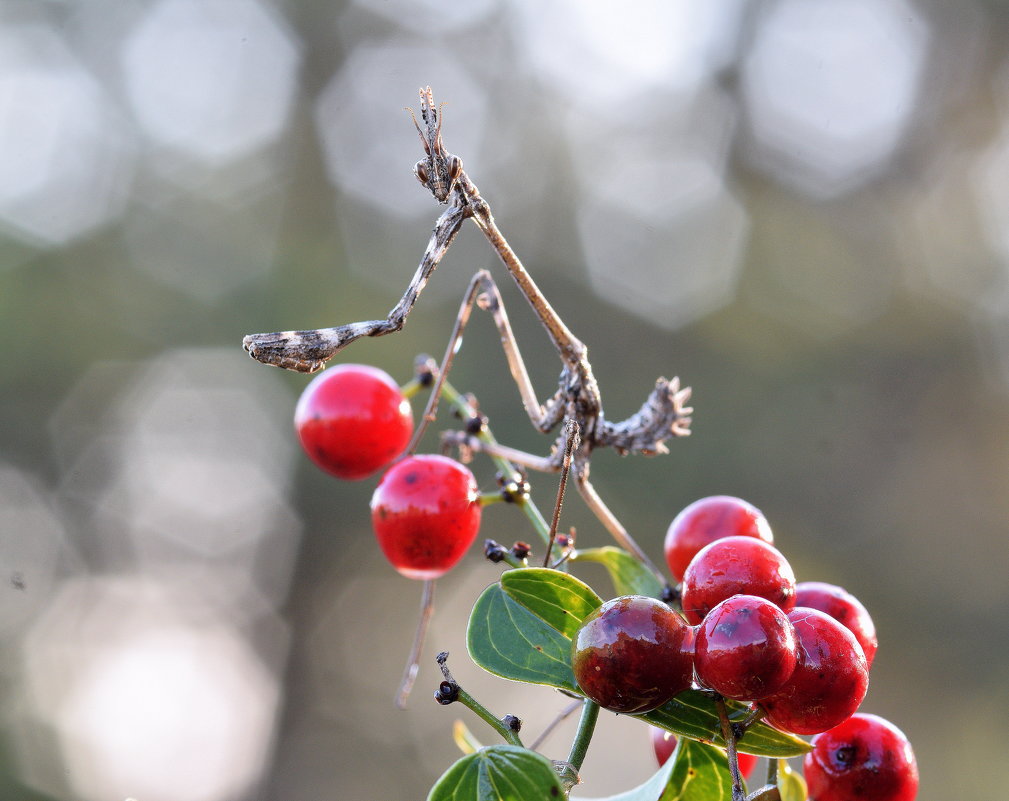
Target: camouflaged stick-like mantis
(577,399)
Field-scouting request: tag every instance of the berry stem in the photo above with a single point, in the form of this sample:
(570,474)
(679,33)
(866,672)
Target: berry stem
(413,661)
(586,726)
(772,771)
(509,734)
(730,747)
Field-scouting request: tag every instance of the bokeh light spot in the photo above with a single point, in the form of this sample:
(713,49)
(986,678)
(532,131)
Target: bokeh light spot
(212,78)
(65,161)
(830,88)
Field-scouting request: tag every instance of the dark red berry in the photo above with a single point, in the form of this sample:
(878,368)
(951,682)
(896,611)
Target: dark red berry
(352,420)
(745,648)
(707,520)
(865,758)
(844,608)
(736,566)
(664,743)
(426,513)
(632,654)
(829,681)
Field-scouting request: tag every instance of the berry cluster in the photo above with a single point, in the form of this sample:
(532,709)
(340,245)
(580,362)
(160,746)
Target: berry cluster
(800,653)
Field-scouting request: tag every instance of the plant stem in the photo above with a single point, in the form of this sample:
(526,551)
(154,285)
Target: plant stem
(510,735)
(468,700)
(586,726)
(730,747)
(413,661)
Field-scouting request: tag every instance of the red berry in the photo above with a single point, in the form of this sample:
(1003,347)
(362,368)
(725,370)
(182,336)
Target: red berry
(736,566)
(866,757)
(844,608)
(426,513)
(707,520)
(745,649)
(352,420)
(632,654)
(828,683)
(664,743)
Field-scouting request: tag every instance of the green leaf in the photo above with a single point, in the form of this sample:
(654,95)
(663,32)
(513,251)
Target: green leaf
(693,714)
(558,599)
(791,785)
(628,575)
(506,639)
(499,773)
(695,772)
(701,774)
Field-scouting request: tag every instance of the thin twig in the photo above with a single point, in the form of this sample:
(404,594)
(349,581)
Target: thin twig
(572,439)
(413,661)
(563,715)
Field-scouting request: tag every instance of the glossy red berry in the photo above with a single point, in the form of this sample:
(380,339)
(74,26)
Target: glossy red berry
(352,420)
(865,758)
(707,520)
(426,513)
(829,681)
(736,566)
(745,648)
(844,608)
(632,654)
(664,743)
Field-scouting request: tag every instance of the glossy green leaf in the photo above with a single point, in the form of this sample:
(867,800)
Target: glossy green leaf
(693,714)
(558,599)
(628,575)
(791,785)
(499,773)
(701,774)
(506,639)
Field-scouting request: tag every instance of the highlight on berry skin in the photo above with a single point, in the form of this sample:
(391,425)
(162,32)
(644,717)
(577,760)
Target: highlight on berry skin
(745,648)
(632,654)
(352,420)
(844,607)
(734,566)
(709,519)
(865,757)
(830,679)
(426,513)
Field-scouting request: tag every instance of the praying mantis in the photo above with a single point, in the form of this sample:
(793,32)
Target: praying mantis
(577,402)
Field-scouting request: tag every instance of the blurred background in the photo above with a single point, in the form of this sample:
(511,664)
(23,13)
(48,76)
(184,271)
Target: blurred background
(801,209)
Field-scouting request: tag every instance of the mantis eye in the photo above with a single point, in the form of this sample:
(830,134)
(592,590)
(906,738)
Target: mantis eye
(454,168)
(421,172)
